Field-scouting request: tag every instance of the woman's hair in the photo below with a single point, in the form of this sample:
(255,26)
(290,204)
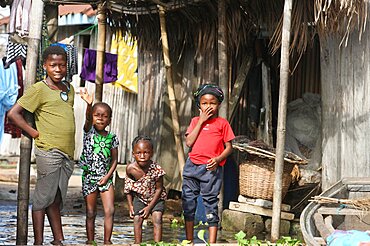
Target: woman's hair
(53,50)
(103,105)
(142,138)
(208,89)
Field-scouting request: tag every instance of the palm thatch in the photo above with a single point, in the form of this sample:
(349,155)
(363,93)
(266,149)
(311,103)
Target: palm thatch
(194,25)
(340,17)
(194,22)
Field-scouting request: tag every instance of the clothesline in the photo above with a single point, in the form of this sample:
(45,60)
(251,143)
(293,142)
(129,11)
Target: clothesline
(86,29)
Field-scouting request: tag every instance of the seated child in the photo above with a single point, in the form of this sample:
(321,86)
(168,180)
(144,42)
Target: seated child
(144,188)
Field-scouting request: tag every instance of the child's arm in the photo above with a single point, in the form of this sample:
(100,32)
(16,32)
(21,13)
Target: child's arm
(130,205)
(89,100)
(128,193)
(144,213)
(15,114)
(114,154)
(214,162)
(193,135)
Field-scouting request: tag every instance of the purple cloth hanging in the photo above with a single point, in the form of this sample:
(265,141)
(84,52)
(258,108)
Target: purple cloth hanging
(88,71)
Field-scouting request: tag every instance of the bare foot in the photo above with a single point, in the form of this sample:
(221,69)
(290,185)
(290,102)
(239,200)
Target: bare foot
(57,242)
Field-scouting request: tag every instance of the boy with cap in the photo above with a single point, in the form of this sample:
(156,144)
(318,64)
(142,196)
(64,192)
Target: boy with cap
(209,139)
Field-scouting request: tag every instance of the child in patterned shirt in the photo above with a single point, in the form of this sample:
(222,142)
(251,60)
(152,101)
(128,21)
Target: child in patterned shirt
(144,188)
(98,162)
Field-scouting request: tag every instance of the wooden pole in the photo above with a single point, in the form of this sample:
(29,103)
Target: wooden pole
(171,90)
(280,143)
(52,15)
(222,78)
(100,52)
(26,142)
(222,58)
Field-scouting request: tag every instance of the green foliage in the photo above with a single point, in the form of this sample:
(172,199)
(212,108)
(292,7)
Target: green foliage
(176,224)
(201,236)
(289,241)
(240,238)
(283,241)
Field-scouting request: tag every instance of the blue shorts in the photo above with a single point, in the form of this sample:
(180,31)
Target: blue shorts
(198,180)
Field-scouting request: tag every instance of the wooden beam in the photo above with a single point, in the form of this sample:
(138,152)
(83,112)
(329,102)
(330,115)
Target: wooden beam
(223,78)
(265,126)
(248,208)
(280,143)
(34,37)
(342,211)
(171,91)
(100,52)
(239,85)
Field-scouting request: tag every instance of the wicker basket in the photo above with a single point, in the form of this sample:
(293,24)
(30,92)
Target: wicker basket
(256,177)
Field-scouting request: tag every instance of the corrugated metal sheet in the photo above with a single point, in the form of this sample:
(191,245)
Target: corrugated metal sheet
(76,19)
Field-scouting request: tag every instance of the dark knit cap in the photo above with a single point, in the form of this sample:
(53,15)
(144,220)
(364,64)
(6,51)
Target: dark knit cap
(208,89)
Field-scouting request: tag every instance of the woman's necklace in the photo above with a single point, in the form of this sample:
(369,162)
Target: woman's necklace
(51,86)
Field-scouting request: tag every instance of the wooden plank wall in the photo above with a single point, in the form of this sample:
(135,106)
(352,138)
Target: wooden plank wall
(345,108)
(154,117)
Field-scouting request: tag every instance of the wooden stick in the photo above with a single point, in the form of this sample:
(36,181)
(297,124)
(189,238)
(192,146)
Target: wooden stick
(281,128)
(171,90)
(100,52)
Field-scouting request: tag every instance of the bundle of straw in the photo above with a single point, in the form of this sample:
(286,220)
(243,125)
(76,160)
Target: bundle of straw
(360,204)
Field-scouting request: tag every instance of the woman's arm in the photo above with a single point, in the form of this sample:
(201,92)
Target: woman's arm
(15,114)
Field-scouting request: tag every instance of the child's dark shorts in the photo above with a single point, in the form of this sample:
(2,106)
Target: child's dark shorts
(198,180)
(139,205)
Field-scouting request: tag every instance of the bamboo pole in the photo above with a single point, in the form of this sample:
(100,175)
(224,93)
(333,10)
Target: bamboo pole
(34,37)
(280,143)
(100,52)
(222,79)
(171,90)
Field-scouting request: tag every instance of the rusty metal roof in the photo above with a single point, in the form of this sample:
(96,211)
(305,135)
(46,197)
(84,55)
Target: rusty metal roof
(85,9)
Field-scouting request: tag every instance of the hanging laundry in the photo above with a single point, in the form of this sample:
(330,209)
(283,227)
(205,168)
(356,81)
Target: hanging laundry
(44,43)
(8,91)
(9,127)
(19,17)
(126,49)
(88,70)
(13,52)
(72,62)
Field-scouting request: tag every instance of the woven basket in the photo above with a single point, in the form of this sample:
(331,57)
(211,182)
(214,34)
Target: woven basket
(256,178)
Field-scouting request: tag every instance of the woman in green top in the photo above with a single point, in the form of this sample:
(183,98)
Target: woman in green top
(51,102)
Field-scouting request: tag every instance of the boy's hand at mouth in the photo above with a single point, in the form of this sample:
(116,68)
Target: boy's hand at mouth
(205,115)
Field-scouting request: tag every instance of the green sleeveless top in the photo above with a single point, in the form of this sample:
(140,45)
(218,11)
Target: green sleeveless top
(54,117)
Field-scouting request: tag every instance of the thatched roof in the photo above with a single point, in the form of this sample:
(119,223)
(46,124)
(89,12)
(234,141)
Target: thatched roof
(194,22)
